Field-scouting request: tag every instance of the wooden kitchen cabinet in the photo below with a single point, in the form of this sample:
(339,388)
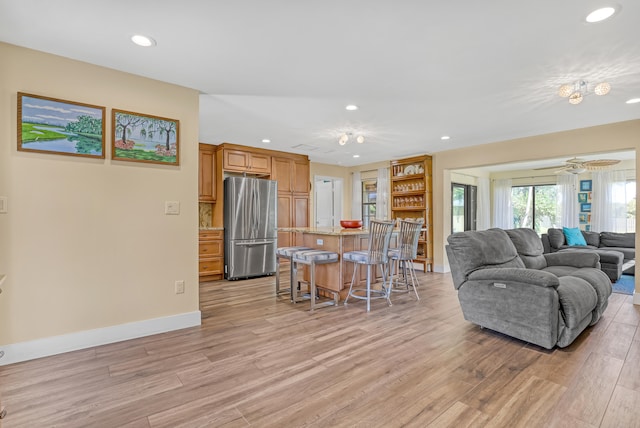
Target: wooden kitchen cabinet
(246,161)
(207,173)
(211,255)
(292,175)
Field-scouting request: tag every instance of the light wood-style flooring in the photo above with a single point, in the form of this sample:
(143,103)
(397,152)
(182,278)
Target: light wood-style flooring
(259,361)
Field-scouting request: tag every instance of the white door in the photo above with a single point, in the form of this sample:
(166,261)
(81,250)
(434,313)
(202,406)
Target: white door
(327,201)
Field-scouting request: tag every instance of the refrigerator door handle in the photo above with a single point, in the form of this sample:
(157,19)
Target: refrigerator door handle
(254,244)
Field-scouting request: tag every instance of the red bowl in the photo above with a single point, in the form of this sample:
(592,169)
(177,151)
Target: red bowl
(351,224)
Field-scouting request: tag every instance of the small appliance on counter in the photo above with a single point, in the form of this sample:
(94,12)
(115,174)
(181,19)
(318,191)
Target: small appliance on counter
(250,234)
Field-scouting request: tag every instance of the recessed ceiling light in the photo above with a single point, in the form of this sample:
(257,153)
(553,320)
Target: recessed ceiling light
(143,41)
(445,137)
(351,107)
(356,156)
(633,101)
(266,140)
(601,14)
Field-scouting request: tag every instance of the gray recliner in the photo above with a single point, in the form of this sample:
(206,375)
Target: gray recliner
(506,283)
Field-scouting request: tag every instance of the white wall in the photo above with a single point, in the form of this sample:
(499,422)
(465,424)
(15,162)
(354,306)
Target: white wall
(85,244)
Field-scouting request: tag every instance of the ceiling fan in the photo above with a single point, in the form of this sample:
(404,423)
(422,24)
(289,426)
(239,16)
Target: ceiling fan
(578,166)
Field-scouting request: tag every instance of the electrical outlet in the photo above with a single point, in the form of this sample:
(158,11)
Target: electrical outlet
(180,286)
(319,241)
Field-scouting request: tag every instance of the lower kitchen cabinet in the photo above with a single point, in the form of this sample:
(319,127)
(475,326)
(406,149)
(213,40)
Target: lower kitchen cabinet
(211,255)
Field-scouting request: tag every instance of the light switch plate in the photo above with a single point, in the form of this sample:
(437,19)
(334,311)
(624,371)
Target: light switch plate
(3,205)
(172,207)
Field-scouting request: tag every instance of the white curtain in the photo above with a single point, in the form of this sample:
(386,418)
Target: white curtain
(568,207)
(483,216)
(608,205)
(382,194)
(502,208)
(356,196)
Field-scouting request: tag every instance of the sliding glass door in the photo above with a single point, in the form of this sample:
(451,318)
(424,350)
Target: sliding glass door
(535,207)
(464,206)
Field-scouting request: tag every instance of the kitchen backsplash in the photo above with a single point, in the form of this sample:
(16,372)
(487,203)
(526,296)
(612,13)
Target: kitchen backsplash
(206,214)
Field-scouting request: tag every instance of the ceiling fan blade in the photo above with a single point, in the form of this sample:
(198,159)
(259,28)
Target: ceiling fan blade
(575,161)
(551,167)
(600,163)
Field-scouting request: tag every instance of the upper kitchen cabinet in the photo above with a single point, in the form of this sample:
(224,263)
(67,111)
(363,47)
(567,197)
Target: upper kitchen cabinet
(292,174)
(207,173)
(246,161)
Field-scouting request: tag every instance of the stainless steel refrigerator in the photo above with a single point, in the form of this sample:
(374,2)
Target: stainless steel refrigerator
(250,235)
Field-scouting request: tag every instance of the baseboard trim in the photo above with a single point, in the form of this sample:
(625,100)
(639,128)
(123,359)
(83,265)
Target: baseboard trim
(441,268)
(24,351)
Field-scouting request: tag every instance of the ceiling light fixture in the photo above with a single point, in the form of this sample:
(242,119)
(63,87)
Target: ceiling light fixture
(347,135)
(266,140)
(351,107)
(143,41)
(601,14)
(577,90)
(445,137)
(633,101)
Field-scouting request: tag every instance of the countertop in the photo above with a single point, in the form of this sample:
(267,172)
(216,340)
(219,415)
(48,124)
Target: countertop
(334,231)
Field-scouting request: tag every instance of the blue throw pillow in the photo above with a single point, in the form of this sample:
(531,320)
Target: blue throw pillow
(573,236)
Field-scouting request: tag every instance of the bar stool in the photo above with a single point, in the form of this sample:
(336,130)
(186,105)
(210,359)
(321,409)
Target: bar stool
(405,253)
(377,254)
(286,253)
(312,258)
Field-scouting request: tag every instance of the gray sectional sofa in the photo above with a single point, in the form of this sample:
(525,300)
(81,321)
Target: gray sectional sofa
(506,283)
(617,250)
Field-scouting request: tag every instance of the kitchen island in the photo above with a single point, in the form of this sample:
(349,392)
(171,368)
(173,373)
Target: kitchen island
(336,276)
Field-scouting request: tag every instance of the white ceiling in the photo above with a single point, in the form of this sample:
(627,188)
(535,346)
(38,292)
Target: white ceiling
(284,69)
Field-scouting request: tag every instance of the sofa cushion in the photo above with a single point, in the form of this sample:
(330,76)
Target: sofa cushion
(628,253)
(573,236)
(613,239)
(592,238)
(479,249)
(556,238)
(529,247)
(577,300)
(561,271)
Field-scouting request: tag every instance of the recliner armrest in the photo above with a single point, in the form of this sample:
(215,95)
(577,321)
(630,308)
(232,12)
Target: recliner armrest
(578,259)
(529,276)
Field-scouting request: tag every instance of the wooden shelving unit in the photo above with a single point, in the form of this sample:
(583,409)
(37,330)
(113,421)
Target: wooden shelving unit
(411,197)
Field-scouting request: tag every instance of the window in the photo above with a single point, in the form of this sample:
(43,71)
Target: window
(630,201)
(464,206)
(534,207)
(369,192)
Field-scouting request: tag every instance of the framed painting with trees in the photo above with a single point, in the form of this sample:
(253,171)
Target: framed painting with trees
(139,137)
(52,125)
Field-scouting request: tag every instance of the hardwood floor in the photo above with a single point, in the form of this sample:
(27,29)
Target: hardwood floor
(260,361)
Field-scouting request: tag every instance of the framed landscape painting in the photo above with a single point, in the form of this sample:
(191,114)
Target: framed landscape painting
(144,138)
(52,125)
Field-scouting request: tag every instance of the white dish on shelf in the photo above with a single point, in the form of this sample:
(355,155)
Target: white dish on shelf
(410,170)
